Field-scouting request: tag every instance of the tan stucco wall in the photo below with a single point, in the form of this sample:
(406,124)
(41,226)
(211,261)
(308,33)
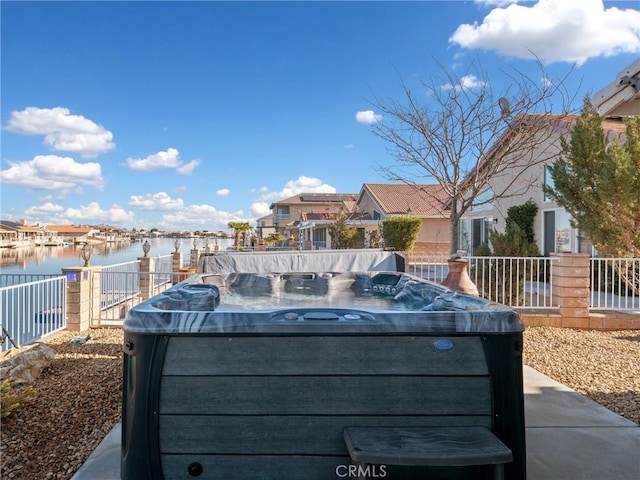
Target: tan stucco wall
(528,186)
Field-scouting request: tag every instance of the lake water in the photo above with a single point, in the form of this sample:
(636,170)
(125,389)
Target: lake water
(52,260)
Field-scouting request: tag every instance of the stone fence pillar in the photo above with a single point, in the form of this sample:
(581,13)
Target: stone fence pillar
(571,288)
(83,296)
(146,277)
(195,255)
(176,265)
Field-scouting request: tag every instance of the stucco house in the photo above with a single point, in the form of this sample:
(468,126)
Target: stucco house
(379,201)
(74,233)
(306,216)
(552,224)
(19,234)
(265,226)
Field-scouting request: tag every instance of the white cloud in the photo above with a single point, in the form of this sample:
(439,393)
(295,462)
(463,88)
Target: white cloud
(62,131)
(467,82)
(93,213)
(45,209)
(497,3)
(260,209)
(368,116)
(155,201)
(50,172)
(555,31)
(188,168)
(349,145)
(223,192)
(168,159)
(200,217)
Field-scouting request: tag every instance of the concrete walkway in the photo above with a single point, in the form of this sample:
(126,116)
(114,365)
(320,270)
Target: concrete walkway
(569,437)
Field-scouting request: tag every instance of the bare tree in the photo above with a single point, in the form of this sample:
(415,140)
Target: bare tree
(461,135)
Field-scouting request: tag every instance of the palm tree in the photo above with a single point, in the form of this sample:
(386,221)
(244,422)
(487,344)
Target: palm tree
(240,228)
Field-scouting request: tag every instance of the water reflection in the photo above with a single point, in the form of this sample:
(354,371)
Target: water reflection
(48,259)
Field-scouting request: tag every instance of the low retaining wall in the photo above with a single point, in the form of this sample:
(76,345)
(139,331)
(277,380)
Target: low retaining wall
(597,320)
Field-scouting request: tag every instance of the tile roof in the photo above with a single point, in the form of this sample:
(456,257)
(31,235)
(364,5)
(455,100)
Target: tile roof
(562,124)
(306,198)
(20,227)
(400,199)
(70,229)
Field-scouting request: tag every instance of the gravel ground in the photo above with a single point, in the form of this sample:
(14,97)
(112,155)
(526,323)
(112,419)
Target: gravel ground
(77,400)
(604,366)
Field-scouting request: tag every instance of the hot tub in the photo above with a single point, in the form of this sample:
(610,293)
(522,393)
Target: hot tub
(256,375)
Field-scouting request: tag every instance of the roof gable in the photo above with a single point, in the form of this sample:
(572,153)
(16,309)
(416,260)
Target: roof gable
(401,199)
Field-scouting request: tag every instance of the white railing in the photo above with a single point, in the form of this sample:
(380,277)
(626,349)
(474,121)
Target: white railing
(162,265)
(615,283)
(118,283)
(513,281)
(9,279)
(128,289)
(430,267)
(29,311)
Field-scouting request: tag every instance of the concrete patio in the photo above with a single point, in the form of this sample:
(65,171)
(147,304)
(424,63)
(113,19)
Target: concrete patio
(569,437)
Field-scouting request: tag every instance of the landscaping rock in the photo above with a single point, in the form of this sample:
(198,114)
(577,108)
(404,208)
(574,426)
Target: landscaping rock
(26,364)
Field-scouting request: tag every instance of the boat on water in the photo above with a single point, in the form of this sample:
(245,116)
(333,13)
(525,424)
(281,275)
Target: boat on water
(49,242)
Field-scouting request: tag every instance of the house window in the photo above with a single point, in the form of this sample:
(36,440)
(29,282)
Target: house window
(319,238)
(463,235)
(557,232)
(548,182)
(376,215)
(282,213)
(483,201)
(480,228)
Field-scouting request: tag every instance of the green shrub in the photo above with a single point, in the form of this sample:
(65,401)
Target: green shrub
(517,241)
(401,233)
(11,400)
(274,239)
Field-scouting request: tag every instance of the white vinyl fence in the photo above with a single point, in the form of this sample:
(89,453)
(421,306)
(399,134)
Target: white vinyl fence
(615,284)
(516,282)
(31,310)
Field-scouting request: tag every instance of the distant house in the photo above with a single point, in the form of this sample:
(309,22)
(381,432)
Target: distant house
(306,216)
(265,226)
(74,233)
(7,236)
(19,234)
(110,233)
(379,201)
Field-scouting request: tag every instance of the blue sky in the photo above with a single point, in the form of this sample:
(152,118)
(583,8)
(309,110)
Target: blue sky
(188,115)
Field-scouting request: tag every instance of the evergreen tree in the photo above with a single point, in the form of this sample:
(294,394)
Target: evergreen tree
(598,183)
(342,234)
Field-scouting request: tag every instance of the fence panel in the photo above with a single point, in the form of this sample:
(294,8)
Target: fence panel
(615,283)
(118,283)
(29,311)
(121,290)
(430,267)
(513,281)
(162,268)
(9,279)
